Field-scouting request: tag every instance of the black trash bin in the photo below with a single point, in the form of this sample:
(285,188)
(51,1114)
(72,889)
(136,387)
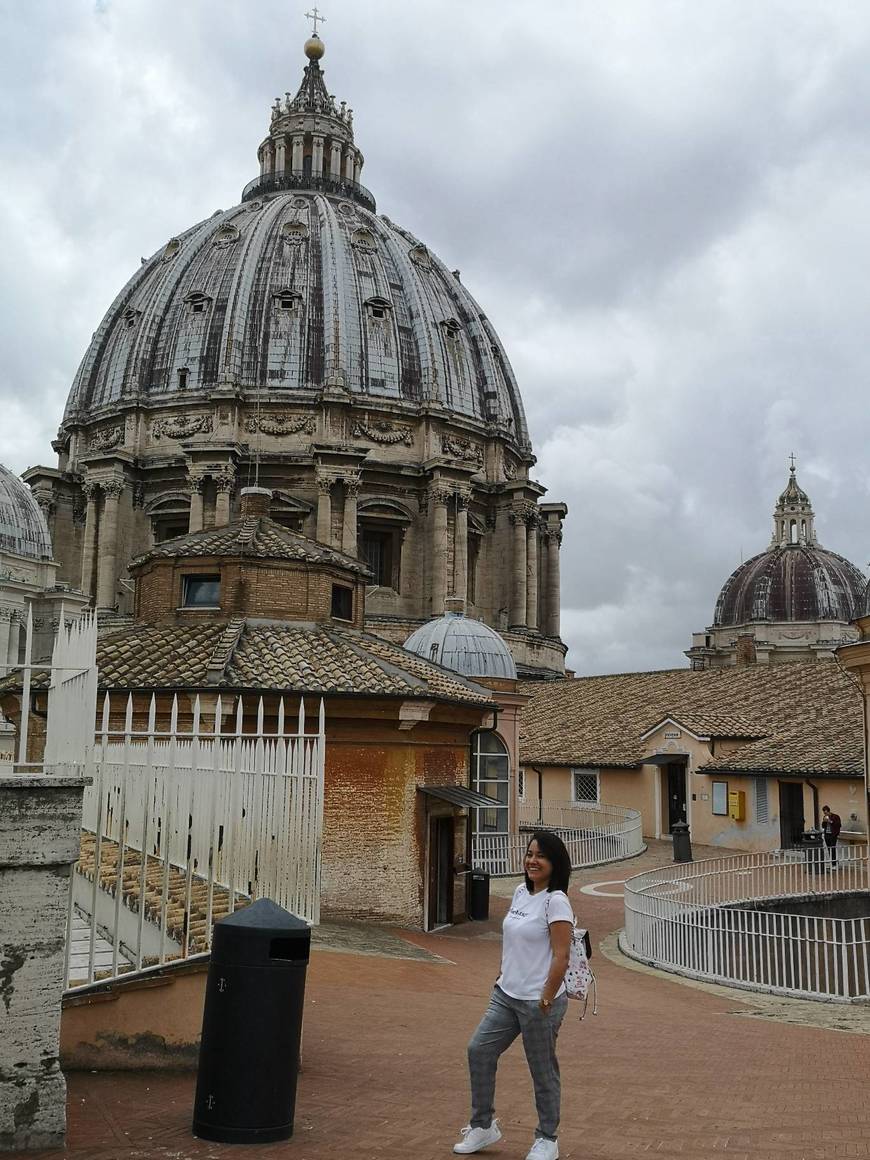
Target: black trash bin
(251,1026)
(682,842)
(478,895)
(814,851)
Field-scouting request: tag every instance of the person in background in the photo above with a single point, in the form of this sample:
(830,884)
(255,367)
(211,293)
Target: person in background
(528,999)
(831,829)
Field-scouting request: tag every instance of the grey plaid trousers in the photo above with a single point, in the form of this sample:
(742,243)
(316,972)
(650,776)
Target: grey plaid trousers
(504,1020)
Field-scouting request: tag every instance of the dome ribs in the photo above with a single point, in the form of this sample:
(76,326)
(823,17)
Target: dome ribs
(433,343)
(791,583)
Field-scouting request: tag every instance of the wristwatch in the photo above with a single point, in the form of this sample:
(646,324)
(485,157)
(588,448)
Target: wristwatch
(546,1003)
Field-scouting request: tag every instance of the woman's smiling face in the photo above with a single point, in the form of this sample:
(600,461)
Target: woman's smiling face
(537,865)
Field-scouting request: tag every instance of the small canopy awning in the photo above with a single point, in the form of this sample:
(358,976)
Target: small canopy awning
(664,758)
(459,795)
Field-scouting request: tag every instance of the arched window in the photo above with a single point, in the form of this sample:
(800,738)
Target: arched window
(490,775)
(793,532)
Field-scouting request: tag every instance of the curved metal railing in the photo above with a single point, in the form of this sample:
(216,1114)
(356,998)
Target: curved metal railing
(594,834)
(745,921)
(276,182)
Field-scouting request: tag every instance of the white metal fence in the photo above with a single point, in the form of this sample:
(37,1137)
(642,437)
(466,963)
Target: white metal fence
(183,826)
(593,834)
(738,920)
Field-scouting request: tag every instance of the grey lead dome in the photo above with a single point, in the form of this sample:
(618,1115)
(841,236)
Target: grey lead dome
(467,646)
(291,292)
(23,529)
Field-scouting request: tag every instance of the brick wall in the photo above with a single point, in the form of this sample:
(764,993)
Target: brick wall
(277,589)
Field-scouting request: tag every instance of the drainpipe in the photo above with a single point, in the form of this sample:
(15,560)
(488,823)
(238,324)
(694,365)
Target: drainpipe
(815,790)
(540,794)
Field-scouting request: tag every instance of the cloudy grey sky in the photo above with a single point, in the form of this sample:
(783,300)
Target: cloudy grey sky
(662,206)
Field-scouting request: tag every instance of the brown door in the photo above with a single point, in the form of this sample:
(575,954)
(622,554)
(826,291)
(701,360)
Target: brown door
(440,872)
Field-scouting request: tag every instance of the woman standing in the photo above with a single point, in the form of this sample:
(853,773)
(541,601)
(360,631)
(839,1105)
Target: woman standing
(528,999)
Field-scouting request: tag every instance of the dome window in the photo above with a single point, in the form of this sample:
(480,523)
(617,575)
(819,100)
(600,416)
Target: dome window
(131,317)
(227,235)
(378,309)
(183,378)
(198,303)
(294,233)
(171,249)
(363,240)
(451,329)
(421,256)
(288,299)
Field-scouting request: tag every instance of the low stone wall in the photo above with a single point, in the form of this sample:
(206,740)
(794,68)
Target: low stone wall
(40,824)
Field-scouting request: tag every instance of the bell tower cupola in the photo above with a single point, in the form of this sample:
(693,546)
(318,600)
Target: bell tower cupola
(310,141)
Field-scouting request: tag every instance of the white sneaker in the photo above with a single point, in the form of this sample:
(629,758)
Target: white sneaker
(473,1139)
(543,1149)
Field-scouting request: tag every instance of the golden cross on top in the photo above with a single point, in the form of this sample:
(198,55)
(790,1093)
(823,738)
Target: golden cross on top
(315,17)
(791,460)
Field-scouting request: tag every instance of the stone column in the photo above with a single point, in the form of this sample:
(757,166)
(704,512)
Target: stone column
(280,155)
(440,498)
(324,509)
(553,540)
(317,156)
(195,486)
(224,481)
(518,597)
(335,160)
(106,578)
(13,641)
(357,167)
(460,548)
(532,571)
(349,164)
(89,548)
(40,828)
(296,146)
(349,528)
(5,624)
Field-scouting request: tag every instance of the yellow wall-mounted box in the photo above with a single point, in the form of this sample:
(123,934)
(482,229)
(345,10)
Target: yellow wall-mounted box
(736,805)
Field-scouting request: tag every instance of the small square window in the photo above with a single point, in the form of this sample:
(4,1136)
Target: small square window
(182,379)
(342,602)
(201,592)
(198,307)
(585,786)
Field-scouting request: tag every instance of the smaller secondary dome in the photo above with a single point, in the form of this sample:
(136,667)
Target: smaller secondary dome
(467,646)
(792,583)
(23,529)
(795,579)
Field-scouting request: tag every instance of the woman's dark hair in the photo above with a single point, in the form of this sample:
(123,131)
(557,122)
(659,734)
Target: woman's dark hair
(553,849)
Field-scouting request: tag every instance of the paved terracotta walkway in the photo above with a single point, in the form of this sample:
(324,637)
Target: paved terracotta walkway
(665,1070)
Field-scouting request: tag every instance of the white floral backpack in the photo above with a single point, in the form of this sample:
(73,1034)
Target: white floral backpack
(579,979)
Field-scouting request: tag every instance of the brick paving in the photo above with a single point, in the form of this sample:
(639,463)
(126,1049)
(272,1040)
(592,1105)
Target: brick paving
(665,1070)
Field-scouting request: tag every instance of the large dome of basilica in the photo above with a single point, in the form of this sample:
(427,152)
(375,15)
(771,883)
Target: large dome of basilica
(291,290)
(302,342)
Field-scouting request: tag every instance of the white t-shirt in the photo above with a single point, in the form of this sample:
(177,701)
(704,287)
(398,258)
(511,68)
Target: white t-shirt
(526,952)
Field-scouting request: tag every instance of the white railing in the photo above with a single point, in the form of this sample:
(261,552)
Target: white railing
(740,921)
(593,834)
(181,827)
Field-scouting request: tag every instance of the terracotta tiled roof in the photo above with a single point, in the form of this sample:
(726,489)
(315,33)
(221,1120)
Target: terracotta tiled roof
(256,654)
(259,537)
(800,718)
(712,724)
